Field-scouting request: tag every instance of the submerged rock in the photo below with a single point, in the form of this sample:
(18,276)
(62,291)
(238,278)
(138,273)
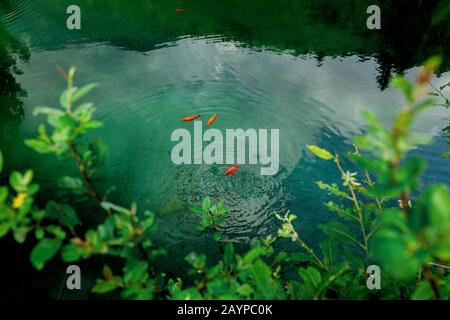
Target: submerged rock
(172,205)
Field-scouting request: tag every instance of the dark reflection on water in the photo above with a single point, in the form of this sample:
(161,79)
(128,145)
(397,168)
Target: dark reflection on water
(412,30)
(11,92)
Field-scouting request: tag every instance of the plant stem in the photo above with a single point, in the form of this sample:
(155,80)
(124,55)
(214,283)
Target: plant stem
(369,180)
(356,203)
(84,175)
(370,183)
(297,238)
(438,91)
(214,227)
(73,150)
(439,265)
(433,282)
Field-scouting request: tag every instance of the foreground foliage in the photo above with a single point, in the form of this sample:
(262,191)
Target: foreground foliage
(381,219)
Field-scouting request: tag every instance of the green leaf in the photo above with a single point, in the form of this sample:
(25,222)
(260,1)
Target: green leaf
(15,180)
(3,194)
(63,97)
(44,251)
(74,185)
(327,247)
(254,254)
(228,254)
(404,86)
(111,206)
(393,247)
(217,235)
(57,231)
(71,253)
(62,122)
(262,277)
(432,210)
(4,228)
(433,63)
(136,272)
(1,161)
(104,286)
(423,291)
(27,177)
(206,205)
(63,213)
(107,272)
(83,91)
(311,276)
(20,234)
(245,290)
(47,111)
(339,231)
(39,233)
(321,153)
(38,145)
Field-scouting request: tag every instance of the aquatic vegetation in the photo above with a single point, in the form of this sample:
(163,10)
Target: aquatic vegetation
(383,219)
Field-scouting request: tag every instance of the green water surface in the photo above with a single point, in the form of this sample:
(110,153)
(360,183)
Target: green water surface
(308,68)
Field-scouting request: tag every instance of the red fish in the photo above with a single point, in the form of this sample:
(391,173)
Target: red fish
(212,119)
(187,119)
(231,170)
(179,10)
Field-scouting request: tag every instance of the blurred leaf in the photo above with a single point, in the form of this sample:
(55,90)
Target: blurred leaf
(38,145)
(74,185)
(83,91)
(104,286)
(404,86)
(63,96)
(47,111)
(217,235)
(339,231)
(44,251)
(266,286)
(206,204)
(423,291)
(107,272)
(228,254)
(432,210)
(395,248)
(433,63)
(63,213)
(321,153)
(71,253)
(15,180)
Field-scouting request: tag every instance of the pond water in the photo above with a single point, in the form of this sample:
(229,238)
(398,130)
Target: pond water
(307,68)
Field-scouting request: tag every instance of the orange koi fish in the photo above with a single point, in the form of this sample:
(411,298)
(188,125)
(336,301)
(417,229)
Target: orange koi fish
(187,119)
(212,119)
(231,170)
(179,10)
